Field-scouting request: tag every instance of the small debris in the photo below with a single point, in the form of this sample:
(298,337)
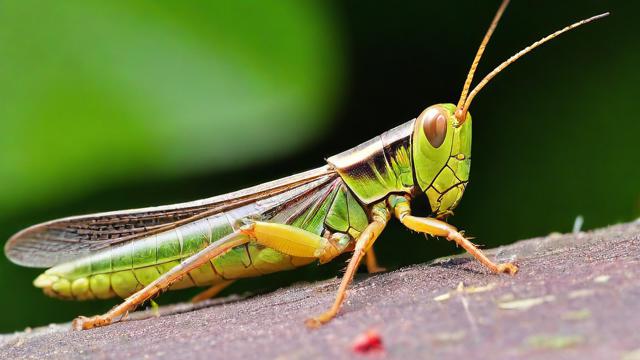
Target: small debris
(19,342)
(601,279)
(479,289)
(581,293)
(577,315)
(554,341)
(461,289)
(449,337)
(155,308)
(368,342)
(577,224)
(525,304)
(506,297)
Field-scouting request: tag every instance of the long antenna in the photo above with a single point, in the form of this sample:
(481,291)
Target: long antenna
(512,59)
(476,60)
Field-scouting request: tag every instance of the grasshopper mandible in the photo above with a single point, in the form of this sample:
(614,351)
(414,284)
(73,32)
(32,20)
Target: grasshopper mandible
(317,215)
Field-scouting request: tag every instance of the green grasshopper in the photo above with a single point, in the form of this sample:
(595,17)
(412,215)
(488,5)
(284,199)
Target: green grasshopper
(316,215)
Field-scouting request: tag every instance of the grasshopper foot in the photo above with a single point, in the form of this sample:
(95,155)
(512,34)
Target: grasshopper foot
(313,323)
(85,323)
(507,268)
(317,321)
(377,269)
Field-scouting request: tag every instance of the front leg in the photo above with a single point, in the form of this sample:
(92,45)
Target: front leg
(435,227)
(363,244)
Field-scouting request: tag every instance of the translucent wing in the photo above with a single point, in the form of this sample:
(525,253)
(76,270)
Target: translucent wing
(53,242)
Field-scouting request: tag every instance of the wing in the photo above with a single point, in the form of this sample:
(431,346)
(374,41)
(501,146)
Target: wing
(57,241)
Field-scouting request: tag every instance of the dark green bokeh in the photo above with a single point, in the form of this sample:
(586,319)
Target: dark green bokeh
(120,105)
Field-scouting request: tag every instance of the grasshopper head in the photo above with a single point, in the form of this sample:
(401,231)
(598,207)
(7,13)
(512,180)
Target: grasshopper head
(441,147)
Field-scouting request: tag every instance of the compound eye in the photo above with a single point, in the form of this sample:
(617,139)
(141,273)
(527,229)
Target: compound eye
(434,125)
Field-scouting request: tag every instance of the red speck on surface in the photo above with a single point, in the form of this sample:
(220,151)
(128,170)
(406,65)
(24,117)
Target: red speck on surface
(368,342)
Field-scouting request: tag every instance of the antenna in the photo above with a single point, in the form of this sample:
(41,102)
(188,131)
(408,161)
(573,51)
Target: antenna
(461,112)
(476,60)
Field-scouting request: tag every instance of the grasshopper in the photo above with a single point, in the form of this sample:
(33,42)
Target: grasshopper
(313,216)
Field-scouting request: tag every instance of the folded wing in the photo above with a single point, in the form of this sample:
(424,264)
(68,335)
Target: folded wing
(57,241)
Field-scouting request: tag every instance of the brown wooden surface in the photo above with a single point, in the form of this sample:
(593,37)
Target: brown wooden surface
(576,296)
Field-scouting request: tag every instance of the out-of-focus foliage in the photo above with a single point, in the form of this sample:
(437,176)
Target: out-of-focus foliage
(100,92)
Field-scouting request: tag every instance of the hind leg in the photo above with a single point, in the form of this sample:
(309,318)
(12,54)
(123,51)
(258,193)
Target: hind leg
(212,291)
(372,262)
(162,283)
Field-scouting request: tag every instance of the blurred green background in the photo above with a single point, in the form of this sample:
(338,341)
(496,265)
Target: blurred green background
(120,104)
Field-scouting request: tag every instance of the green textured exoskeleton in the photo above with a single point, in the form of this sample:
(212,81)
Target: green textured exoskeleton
(317,215)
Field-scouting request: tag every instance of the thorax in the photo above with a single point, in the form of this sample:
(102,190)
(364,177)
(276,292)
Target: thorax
(380,166)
